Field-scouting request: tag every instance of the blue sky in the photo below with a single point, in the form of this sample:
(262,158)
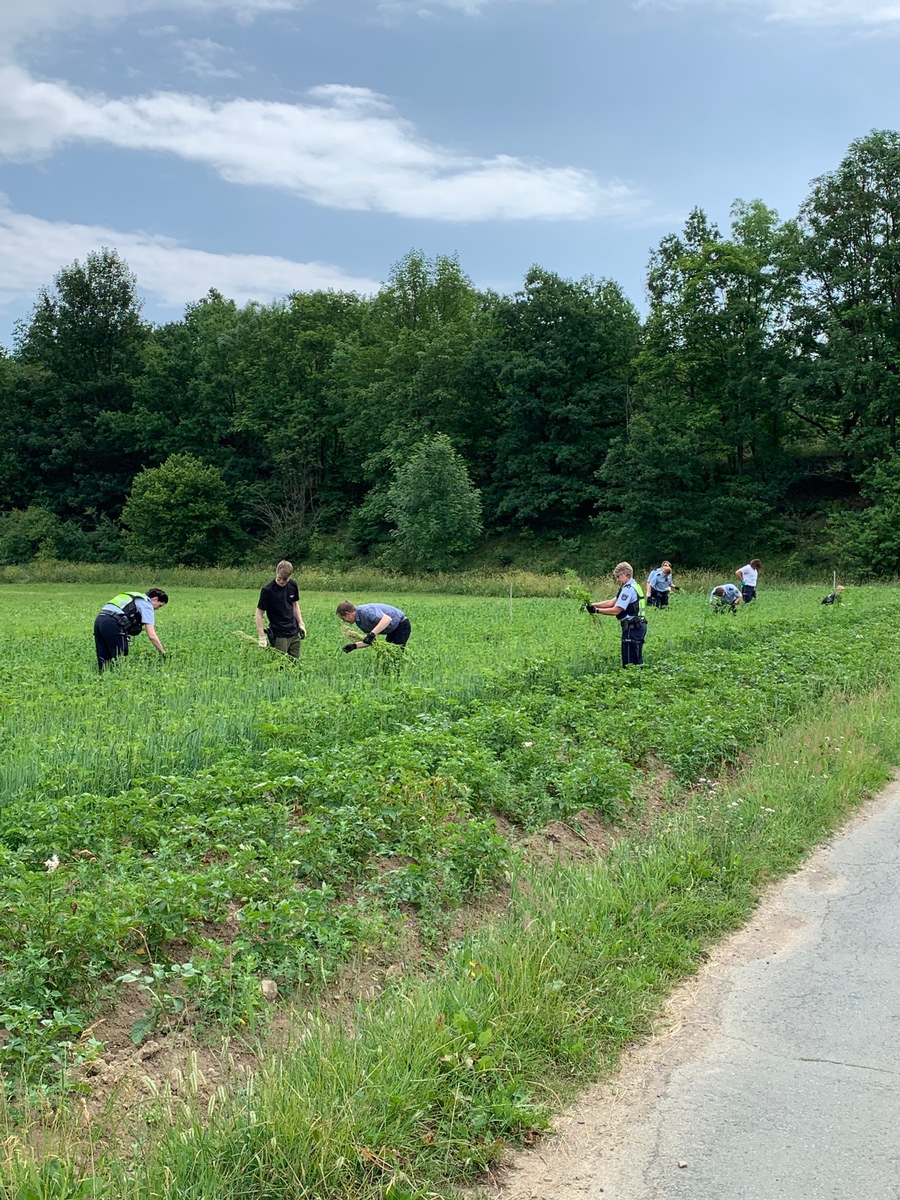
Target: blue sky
(267,146)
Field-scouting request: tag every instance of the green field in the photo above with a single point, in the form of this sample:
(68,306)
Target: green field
(255,817)
(190,826)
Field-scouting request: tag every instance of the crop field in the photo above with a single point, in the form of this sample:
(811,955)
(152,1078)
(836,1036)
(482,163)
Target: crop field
(196,824)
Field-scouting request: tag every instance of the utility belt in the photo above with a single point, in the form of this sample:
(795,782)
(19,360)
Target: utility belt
(635,622)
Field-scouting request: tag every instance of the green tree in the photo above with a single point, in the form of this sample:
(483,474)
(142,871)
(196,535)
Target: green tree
(706,453)
(291,403)
(845,381)
(868,541)
(83,346)
(177,513)
(563,353)
(414,369)
(434,507)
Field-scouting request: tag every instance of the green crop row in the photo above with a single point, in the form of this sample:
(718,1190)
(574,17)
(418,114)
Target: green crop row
(289,818)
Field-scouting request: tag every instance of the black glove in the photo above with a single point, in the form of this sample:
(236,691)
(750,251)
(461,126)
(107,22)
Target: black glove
(350,646)
(301,633)
(368,639)
(591,608)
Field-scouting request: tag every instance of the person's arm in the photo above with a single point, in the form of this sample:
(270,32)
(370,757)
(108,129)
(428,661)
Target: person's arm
(258,617)
(606,608)
(298,617)
(151,633)
(382,625)
(740,574)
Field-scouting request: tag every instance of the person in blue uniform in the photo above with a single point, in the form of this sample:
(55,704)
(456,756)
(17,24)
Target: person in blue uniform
(659,584)
(124,617)
(725,596)
(627,606)
(373,619)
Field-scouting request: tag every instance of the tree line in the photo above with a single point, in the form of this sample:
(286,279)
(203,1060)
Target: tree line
(754,407)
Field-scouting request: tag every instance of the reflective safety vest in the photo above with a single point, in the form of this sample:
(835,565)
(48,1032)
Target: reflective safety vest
(636,609)
(130,617)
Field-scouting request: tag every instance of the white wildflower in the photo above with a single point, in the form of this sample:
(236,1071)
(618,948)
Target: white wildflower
(52,863)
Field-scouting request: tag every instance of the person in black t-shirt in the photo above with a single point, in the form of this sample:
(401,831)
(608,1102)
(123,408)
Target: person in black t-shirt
(280,602)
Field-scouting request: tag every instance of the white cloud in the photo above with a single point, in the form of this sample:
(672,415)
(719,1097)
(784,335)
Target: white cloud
(345,149)
(32,250)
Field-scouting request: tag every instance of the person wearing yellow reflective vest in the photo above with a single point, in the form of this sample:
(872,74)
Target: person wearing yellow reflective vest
(628,608)
(124,617)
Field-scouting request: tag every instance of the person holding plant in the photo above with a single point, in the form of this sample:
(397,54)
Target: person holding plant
(373,619)
(659,584)
(279,600)
(724,596)
(748,576)
(627,606)
(123,618)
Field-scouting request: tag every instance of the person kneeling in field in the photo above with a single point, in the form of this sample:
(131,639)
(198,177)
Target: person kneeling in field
(373,619)
(628,608)
(123,618)
(279,600)
(726,595)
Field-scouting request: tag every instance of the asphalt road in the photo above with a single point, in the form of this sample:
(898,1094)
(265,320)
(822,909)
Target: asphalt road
(778,1077)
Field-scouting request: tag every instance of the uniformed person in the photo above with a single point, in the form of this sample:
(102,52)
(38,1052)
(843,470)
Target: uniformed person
(123,618)
(659,584)
(725,596)
(628,609)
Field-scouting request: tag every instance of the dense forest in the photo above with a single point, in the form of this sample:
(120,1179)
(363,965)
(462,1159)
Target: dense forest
(753,410)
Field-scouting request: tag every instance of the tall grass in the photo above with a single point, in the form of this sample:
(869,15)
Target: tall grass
(486,581)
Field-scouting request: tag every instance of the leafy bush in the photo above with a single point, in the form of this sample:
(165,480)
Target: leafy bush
(178,514)
(435,508)
(868,542)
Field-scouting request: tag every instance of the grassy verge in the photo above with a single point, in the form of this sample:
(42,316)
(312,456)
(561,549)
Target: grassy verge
(420,1090)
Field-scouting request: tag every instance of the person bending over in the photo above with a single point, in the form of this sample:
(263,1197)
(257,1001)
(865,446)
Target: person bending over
(373,619)
(123,618)
(725,596)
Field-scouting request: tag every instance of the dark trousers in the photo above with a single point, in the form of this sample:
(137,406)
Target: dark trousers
(658,599)
(633,634)
(109,640)
(400,635)
(748,593)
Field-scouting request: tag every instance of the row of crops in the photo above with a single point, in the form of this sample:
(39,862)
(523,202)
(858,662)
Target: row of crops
(226,815)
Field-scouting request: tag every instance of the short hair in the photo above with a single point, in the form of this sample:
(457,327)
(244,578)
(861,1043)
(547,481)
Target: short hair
(665,563)
(623,568)
(157,594)
(284,570)
(755,564)
(345,608)
(718,591)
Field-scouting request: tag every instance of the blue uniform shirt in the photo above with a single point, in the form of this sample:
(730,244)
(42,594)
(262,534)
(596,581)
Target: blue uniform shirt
(368,616)
(660,580)
(732,593)
(628,595)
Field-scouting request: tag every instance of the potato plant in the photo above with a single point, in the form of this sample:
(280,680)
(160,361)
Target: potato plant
(277,822)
